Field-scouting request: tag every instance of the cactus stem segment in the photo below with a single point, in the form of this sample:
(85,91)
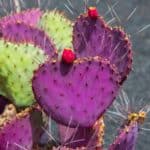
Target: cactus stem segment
(93,12)
(101,131)
(68,56)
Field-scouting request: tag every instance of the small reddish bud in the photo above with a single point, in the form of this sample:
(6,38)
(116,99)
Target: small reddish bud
(92,12)
(68,56)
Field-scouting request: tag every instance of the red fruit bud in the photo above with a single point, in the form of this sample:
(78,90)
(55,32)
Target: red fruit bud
(92,12)
(68,56)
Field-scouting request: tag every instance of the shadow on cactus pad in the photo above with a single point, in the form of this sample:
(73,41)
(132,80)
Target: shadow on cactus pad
(3,102)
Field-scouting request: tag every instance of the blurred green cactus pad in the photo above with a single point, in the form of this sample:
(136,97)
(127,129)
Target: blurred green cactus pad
(17,63)
(23,48)
(58,27)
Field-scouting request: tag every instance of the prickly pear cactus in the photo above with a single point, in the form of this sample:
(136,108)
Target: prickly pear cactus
(67,83)
(19,58)
(74,88)
(23,48)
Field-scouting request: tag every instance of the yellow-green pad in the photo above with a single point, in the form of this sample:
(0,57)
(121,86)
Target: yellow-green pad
(17,64)
(58,27)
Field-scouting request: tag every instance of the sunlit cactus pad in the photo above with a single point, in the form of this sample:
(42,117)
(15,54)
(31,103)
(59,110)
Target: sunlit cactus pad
(58,27)
(17,63)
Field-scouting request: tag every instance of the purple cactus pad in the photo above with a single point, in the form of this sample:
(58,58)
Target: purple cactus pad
(22,33)
(22,131)
(29,17)
(127,138)
(93,37)
(76,94)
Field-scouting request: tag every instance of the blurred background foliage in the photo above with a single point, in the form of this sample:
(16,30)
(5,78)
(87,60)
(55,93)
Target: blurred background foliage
(133,16)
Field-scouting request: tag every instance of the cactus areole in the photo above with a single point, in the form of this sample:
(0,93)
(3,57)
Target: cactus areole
(68,56)
(92,12)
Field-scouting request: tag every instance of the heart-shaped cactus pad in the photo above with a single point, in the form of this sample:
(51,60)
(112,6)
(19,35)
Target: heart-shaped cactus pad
(92,37)
(77,93)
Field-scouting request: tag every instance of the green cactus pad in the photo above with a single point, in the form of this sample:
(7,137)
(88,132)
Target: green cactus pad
(58,27)
(17,63)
